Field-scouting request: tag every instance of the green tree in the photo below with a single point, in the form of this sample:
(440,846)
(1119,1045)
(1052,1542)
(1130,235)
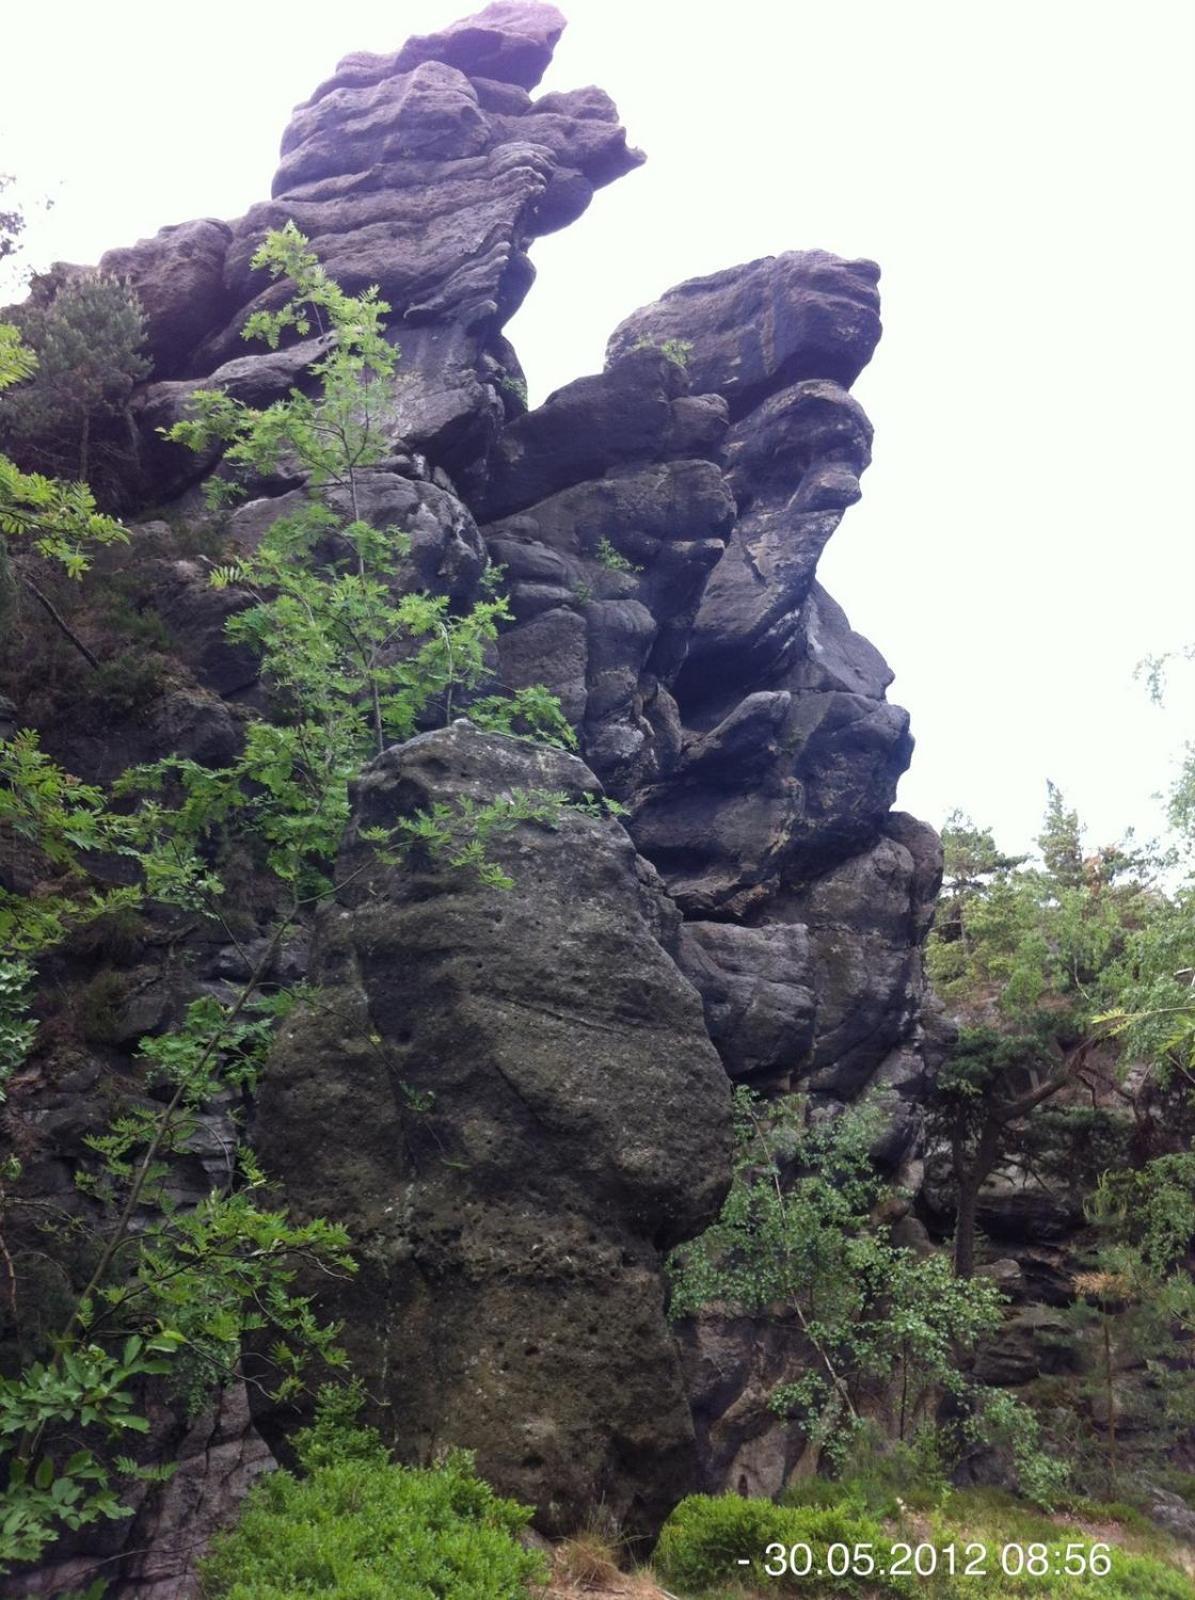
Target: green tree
(1134,1315)
(171,1291)
(1026,956)
(1153,1013)
(884,1324)
(43,516)
(87,342)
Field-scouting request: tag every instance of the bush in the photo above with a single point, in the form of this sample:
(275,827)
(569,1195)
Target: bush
(360,1527)
(707,1536)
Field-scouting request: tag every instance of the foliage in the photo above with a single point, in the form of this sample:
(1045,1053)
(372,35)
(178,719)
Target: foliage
(1028,956)
(350,660)
(186,1283)
(515,386)
(881,1320)
(12,220)
(678,351)
(707,1536)
(88,1388)
(87,341)
(1133,1313)
(1030,945)
(57,520)
(612,559)
(358,1527)
(1153,1010)
(16,1030)
(61,825)
(1051,967)
(1136,1566)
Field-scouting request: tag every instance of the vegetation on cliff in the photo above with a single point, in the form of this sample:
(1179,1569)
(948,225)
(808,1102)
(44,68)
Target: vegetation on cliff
(155,1289)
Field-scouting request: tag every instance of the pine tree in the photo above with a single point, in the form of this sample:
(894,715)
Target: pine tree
(70,416)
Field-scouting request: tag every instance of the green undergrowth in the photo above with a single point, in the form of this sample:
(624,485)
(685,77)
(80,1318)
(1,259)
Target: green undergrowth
(354,1525)
(704,1541)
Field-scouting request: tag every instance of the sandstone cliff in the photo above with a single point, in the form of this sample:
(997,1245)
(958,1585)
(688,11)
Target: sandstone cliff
(759,917)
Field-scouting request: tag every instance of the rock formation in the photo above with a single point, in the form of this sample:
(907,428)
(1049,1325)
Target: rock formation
(509,1098)
(519,1101)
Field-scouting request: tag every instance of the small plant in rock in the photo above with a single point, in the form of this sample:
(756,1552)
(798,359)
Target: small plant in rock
(612,559)
(678,351)
(514,386)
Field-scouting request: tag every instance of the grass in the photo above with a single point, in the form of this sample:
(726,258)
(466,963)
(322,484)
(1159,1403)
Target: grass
(706,1536)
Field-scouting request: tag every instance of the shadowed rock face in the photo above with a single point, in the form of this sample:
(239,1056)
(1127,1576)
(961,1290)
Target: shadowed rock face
(517,1101)
(510,1098)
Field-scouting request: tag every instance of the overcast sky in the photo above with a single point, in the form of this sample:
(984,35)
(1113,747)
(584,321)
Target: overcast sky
(1024,174)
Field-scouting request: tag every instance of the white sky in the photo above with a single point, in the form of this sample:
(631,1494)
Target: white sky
(1023,171)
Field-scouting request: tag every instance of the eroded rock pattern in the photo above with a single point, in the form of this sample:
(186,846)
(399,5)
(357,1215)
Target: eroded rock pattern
(510,1099)
(520,1100)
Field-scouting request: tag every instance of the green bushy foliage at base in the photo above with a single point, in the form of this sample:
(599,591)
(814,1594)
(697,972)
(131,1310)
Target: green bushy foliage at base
(707,1536)
(995,1519)
(359,1527)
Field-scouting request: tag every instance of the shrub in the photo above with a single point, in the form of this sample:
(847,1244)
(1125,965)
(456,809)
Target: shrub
(359,1527)
(707,1536)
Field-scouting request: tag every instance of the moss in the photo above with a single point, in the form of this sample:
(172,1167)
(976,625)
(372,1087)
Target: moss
(118,936)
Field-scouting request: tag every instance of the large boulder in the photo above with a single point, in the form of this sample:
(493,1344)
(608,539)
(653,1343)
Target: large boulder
(509,1097)
(179,278)
(756,328)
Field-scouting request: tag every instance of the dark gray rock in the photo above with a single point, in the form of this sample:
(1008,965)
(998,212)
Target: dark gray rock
(1033,1341)
(255,379)
(218,1459)
(755,986)
(794,467)
(756,328)
(510,42)
(179,278)
(538,1115)
(517,1101)
(780,790)
(1172,1512)
(630,553)
(446,555)
(616,417)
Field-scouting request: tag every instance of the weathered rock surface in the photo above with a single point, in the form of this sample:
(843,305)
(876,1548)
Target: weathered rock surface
(429,173)
(179,279)
(510,1099)
(758,328)
(517,1100)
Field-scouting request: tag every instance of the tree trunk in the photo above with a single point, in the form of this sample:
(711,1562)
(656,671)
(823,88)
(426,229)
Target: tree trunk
(964,1229)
